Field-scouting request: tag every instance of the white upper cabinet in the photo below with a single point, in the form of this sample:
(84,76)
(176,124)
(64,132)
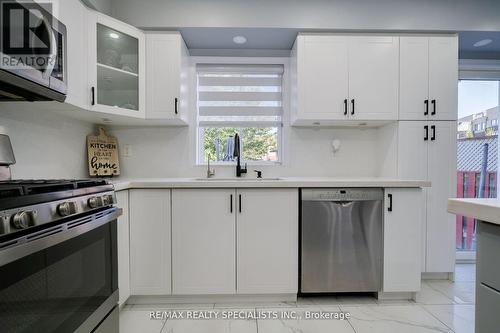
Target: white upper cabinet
(402,234)
(414,78)
(373,77)
(267,224)
(342,78)
(443,77)
(166,76)
(428,78)
(74,16)
(323,74)
(116,67)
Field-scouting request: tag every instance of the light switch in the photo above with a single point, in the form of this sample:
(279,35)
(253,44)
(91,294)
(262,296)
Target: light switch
(127,151)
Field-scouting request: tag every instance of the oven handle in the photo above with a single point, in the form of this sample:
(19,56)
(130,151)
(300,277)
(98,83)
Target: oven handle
(60,234)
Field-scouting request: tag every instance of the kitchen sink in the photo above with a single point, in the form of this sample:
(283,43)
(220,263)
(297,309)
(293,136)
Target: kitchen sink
(235,179)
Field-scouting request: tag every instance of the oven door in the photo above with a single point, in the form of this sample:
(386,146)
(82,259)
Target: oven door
(62,278)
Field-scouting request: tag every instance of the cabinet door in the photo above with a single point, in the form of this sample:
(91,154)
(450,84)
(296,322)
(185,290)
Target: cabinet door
(150,225)
(322,77)
(374,77)
(412,149)
(487,309)
(116,67)
(165,64)
(414,78)
(443,77)
(74,15)
(402,232)
(442,166)
(267,241)
(123,248)
(412,162)
(203,241)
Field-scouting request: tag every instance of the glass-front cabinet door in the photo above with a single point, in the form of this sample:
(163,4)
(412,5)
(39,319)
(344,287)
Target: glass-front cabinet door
(116,67)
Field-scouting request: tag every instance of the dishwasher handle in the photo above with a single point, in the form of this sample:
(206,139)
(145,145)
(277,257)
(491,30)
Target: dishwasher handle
(390,202)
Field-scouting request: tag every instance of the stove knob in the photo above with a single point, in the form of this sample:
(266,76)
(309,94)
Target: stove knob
(93,202)
(66,208)
(23,220)
(107,200)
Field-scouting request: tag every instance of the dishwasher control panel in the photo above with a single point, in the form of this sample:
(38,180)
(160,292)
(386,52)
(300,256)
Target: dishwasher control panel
(342,194)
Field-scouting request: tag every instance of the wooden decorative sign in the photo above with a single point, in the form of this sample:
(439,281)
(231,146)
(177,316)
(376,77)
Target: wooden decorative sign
(103,155)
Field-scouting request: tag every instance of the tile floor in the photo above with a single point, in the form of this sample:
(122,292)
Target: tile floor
(441,306)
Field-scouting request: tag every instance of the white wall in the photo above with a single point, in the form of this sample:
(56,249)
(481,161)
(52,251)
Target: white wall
(415,15)
(46,145)
(169,152)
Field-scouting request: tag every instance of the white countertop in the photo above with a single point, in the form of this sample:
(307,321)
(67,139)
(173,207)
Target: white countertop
(487,210)
(253,182)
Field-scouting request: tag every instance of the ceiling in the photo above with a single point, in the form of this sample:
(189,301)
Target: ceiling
(490,51)
(219,41)
(279,41)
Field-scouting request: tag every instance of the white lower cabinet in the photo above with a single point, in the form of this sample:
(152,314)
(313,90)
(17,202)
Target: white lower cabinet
(227,241)
(150,249)
(440,231)
(216,241)
(402,239)
(203,241)
(427,150)
(267,239)
(123,248)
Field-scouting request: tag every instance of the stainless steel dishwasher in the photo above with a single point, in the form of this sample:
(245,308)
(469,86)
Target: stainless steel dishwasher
(341,240)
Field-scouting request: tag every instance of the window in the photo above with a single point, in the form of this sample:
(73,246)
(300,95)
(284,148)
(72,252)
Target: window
(492,186)
(478,111)
(243,99)
(477,181)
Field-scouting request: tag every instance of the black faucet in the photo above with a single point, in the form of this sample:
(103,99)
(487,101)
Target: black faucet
(237,153)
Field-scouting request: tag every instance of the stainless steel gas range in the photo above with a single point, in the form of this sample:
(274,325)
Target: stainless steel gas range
(58,256)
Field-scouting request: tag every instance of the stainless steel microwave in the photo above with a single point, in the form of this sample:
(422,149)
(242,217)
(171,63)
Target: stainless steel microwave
(33,53)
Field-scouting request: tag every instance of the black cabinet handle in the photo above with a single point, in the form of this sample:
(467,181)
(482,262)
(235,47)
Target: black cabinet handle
(345,107)
(433,129)
(175,105)
(231,203)
(433,107)
(239,203)
(352,102)
(426,102)
(426,137)
(92,92)
(390,202)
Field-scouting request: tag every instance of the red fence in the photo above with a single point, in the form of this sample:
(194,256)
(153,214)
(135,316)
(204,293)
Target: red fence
(468,187)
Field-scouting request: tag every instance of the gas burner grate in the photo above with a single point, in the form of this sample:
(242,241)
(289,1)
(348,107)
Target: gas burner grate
(10,191)
(21,187)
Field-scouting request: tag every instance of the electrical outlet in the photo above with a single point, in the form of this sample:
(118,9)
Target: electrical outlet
(127,150)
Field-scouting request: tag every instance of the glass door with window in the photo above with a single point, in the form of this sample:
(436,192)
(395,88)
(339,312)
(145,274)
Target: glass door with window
(477,153)
(117,67)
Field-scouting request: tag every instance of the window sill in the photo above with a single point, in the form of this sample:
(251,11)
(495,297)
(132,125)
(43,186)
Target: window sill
(233,164)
